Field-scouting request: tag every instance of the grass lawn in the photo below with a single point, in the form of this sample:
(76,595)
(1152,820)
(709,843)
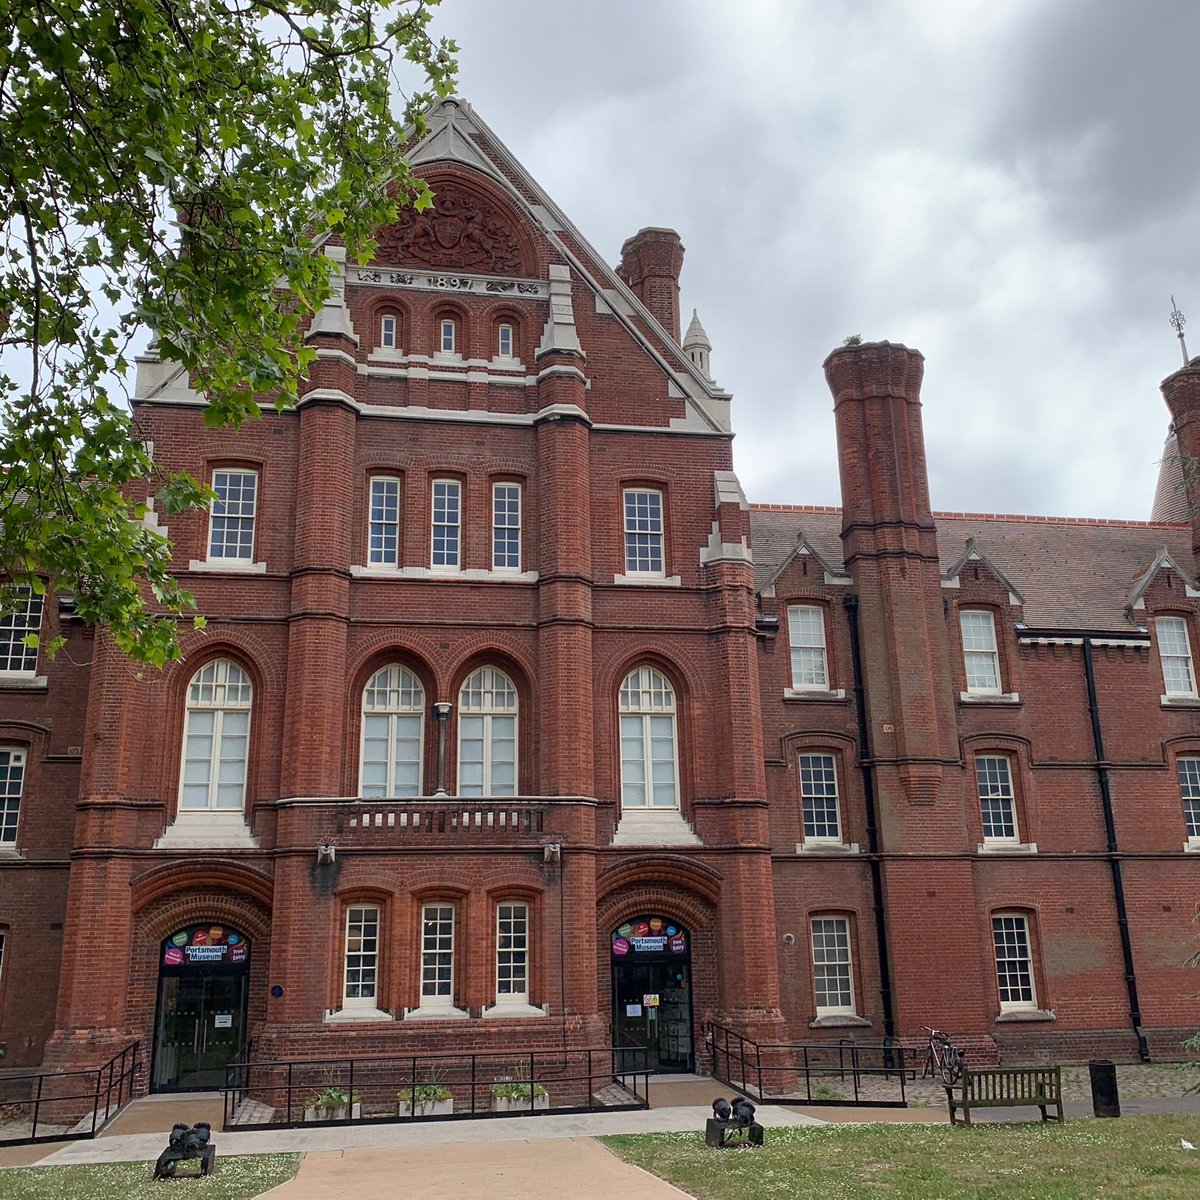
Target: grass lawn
(1132,1157)
(234,1179)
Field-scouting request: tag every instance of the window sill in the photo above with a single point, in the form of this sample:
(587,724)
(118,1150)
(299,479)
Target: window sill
(516,1011)
(654,827)
(1020,1015)
(10,853)
(351,1016)
(206,830)
(1179,701)
(989,698)
(840,1021)
(648,580)
(1007,848)
(814,695)
(833,848)
(1192,846)
(441,1012)
(378,571)
(25,683)
(227,566)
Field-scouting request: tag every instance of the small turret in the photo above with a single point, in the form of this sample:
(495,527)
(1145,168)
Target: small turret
(697,345)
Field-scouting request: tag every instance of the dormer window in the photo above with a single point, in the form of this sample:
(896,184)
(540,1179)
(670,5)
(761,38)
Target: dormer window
(389,336)
(504,341)
(1175,654)
(980,658)
(447,340)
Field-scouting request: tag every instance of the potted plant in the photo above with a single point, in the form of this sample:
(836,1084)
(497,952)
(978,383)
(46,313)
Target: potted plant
(428,1099)
(519,1096)
(333,1103)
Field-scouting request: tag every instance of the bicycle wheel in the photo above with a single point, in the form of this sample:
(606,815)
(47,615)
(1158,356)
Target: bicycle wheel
(951,1064)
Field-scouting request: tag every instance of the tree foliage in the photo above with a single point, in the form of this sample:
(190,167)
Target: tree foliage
(170,164)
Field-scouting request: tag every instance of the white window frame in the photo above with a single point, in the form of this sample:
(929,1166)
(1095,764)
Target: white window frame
(806,641)
(389,332)
(505,327)
(512,960)
(18,660)
(812,795)
(832,960)
(383,518)
(1175,649)
(437,949)
(245,517)
(979,648)
(506,526)
(1187,769)
(361,954)
(12,791)
(488,700)
(997,796)
(217,675)
(403,707)
(1014,928)
(647,697)
(3,948)
(644,531)
(440,506)
(447,344)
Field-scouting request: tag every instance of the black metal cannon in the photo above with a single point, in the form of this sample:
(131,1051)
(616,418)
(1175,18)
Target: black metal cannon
(732,1124)
(187,1142)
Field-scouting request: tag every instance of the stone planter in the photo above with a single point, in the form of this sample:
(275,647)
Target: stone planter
(425,1108)
(333,1112)
(504,1104)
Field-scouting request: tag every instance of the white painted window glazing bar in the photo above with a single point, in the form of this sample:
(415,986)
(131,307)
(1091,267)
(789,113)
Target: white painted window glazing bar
(384,549)
(231,531)
(819,798)
(806,637)
(643,532)
(16,657)
(997,805)
(506,527)
(512,954)
(1175,654)
(1014,964)
(12,782)
(361,977)
(437,953)
(979,651)
(833,972)
(447,520)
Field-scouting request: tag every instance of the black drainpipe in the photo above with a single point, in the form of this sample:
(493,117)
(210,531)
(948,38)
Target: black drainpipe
(1114,862)
(866,765)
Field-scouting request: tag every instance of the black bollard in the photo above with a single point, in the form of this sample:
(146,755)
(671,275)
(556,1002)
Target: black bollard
(1103,1074)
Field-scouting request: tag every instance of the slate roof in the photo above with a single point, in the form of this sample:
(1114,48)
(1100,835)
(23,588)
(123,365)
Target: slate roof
(1074,573)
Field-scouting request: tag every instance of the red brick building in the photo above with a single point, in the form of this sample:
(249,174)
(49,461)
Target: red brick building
(511,710)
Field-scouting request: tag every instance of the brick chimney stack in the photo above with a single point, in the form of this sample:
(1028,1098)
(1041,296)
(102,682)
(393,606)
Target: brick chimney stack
(651,261)
(1182,394)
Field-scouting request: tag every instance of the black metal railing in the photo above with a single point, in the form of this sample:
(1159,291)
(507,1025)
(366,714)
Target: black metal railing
(401,1087)
(44,1106)
(845,1072)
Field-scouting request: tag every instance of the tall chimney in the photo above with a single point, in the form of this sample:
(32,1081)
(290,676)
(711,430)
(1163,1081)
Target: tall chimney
(1182,394)
(650,264)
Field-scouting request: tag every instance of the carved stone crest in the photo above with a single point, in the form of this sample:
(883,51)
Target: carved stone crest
(459,231)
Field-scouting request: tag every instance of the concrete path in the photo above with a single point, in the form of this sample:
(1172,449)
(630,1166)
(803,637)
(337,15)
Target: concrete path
(419,1135)
(567,1168)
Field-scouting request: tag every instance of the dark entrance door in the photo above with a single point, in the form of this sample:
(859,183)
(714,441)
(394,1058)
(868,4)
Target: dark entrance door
(203,973)
(652,993)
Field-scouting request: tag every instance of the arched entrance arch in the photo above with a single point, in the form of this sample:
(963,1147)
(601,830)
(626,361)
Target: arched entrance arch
(652,992)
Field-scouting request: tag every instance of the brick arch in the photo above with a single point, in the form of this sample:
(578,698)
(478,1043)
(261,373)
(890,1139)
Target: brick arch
(692,881)
(225,893)
(236,642)
(687,680)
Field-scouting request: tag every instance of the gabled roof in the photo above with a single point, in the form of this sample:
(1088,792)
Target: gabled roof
(973,553)
(803,546)
(1142,582)
(1073,573)
(456,133)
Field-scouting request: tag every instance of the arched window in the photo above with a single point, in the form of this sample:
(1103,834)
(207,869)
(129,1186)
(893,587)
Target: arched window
(649,763)
(487,734)
(392,727)
(216,738)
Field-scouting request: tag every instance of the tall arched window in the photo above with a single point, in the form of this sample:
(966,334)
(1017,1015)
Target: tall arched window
(216,738)
(487,734)
(649,762)
(392,727)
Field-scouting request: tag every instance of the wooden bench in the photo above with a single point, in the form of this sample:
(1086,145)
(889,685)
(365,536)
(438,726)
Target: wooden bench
(1007,1088)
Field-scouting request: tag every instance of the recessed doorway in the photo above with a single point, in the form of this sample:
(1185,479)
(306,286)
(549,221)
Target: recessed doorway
(203,973)
(652,993)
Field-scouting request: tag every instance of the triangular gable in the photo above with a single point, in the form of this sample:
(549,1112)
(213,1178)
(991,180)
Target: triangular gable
(804,547)
(972,553)
(451,124)
(1141,583)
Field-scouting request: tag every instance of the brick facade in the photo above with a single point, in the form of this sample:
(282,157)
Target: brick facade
(596,399)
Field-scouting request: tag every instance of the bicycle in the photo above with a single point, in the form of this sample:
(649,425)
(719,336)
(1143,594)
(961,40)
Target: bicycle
(942,1057)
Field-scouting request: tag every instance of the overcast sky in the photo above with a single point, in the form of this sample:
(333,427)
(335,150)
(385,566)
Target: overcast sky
(1012,188)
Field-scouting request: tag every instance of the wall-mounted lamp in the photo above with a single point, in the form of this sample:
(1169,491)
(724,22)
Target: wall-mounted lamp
(326,853)
(552,853)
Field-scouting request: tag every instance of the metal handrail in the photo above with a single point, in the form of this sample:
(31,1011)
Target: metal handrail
(285,1083)
(111,1088)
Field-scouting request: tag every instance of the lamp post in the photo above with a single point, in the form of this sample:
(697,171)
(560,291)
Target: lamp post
(441,713)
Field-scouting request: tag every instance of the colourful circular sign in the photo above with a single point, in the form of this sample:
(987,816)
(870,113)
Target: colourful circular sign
(173,957)
(620,947)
